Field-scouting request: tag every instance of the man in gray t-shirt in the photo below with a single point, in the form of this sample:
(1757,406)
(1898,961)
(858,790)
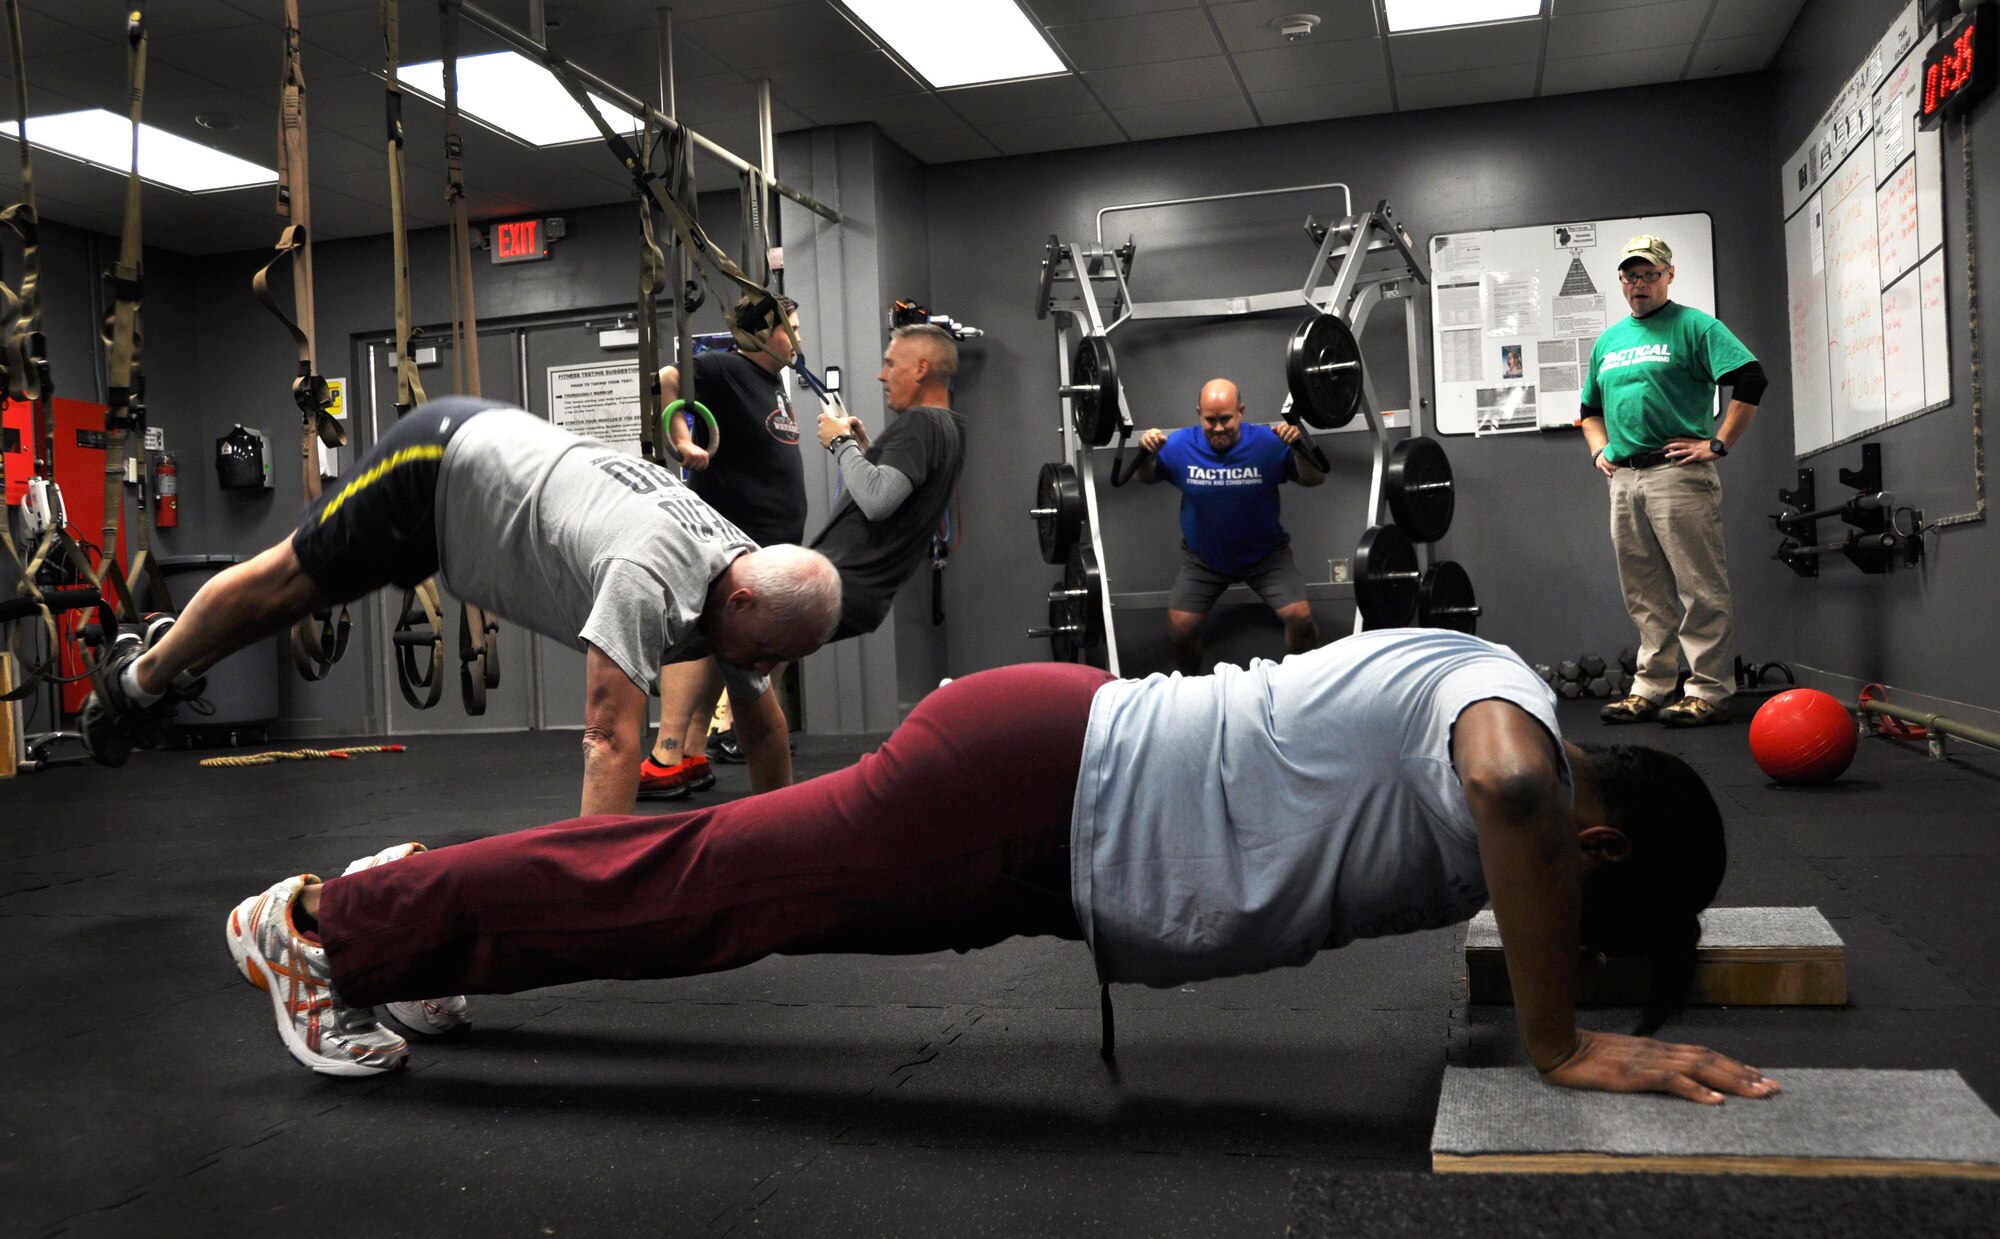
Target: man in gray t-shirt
(562,535)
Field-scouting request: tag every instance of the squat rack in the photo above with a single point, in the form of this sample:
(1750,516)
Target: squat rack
(1359,263)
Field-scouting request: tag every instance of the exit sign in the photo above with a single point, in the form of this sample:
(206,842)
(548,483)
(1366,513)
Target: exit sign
(1959,71)
(518,240)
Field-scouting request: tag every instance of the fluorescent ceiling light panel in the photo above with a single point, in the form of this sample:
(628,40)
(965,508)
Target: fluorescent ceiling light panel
(963,42)
(1407,15)
(517,96)
(105,139)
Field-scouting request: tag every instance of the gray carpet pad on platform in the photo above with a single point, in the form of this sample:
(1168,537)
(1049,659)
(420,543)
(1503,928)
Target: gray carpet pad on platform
(1867,1115)
(1720,927)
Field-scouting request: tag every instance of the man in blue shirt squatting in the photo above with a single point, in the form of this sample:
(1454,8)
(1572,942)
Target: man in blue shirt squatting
(1384,784)
(1228,475)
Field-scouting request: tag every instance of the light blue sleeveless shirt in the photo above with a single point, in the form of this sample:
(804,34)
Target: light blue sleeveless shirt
(1237,822)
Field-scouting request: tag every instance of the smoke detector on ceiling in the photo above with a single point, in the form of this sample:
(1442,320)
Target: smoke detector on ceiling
(1296,26)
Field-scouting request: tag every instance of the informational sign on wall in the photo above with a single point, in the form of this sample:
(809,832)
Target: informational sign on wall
(598,400)
(1864,253)
(1515,311)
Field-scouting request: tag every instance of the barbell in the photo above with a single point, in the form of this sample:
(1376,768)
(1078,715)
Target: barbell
(1323,371)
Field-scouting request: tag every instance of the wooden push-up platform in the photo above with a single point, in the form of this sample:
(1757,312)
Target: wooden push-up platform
(1747,957)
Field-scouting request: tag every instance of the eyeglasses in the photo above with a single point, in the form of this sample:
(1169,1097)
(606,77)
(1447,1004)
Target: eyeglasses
(1641,277)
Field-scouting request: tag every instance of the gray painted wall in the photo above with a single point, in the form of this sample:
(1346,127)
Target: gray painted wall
(1532,517)
(1928,631)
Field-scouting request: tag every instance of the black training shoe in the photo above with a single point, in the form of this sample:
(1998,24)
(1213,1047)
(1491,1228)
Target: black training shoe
(722,744)
(109,720)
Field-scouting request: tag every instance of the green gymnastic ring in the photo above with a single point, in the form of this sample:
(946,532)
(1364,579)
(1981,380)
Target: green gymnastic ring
(714,444)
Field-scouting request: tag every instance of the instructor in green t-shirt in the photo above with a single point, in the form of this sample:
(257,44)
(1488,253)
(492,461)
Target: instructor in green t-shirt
(1649,415)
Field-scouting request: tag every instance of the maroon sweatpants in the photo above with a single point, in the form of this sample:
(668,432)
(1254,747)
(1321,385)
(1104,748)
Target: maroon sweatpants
(955,834)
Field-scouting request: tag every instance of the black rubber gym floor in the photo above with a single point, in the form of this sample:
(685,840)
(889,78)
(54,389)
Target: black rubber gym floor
(146,1091)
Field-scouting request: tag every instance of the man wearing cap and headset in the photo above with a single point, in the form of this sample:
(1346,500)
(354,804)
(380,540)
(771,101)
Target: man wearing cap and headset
(1648,414)
(759,486)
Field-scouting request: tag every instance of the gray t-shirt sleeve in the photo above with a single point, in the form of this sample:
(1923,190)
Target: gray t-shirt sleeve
(629,620)
(877,490)
(744,685)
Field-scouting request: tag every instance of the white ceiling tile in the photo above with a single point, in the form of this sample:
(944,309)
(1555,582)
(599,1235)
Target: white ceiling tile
(947,145)
(756,41)
(1053,11)
(1180,34)
(867,74)
(1164,120)
(1656,25)
(1247,26)
(1736,18)
(1613,70)
(1286,107)
(1011,101)
(1452,51)
(1309,64)
(1721,57)
(1053,133)
(1144,85)
(1444,90)
(1569,8)
(918,113)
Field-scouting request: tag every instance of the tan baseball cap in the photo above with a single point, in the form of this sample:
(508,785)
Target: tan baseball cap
(1648,247)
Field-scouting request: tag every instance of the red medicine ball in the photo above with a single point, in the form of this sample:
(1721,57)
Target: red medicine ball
(1802,735)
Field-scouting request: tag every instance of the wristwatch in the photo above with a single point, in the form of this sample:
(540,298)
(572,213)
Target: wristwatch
(1718,447)
(833,445)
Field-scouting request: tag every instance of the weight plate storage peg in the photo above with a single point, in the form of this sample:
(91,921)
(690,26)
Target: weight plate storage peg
(1385,577)
(1445,600)
(1093,391)
(1058,510)
(1419,487)
(1323,371)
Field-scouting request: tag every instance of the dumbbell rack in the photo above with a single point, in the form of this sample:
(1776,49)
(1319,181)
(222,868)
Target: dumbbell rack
(1363,261)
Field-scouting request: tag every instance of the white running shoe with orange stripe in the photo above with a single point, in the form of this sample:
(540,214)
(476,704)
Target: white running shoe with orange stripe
(317,1028)
(433,1017)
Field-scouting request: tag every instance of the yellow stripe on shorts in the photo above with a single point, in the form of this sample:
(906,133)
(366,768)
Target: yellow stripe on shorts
(403,456)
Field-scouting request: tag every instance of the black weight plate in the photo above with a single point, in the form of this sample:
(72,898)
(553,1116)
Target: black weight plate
(1385,577)
(1062,643)
(1418,484)
(1094,412)
(1445,600)
(1082,574)
(1323,372)
(1057,491)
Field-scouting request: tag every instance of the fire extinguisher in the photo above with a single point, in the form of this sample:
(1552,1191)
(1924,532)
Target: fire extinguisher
(166,493)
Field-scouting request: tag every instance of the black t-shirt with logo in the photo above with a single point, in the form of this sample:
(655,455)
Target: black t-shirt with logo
(757,481)
(927,446)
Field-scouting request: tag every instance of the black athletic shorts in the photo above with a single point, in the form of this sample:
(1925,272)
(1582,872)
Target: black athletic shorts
(377,526)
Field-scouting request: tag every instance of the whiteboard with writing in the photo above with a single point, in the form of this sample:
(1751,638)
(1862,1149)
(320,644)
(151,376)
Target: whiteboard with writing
(1864,254)
(1515,311)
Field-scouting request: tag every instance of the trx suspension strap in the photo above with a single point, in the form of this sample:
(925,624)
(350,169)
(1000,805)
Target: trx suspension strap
(415,628)
(694,241)
(478,631)
(126,386)
(26,378)
(655,444)
(319,640)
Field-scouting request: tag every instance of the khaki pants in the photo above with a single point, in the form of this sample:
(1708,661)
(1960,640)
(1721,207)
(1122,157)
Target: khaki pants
(1666,529)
